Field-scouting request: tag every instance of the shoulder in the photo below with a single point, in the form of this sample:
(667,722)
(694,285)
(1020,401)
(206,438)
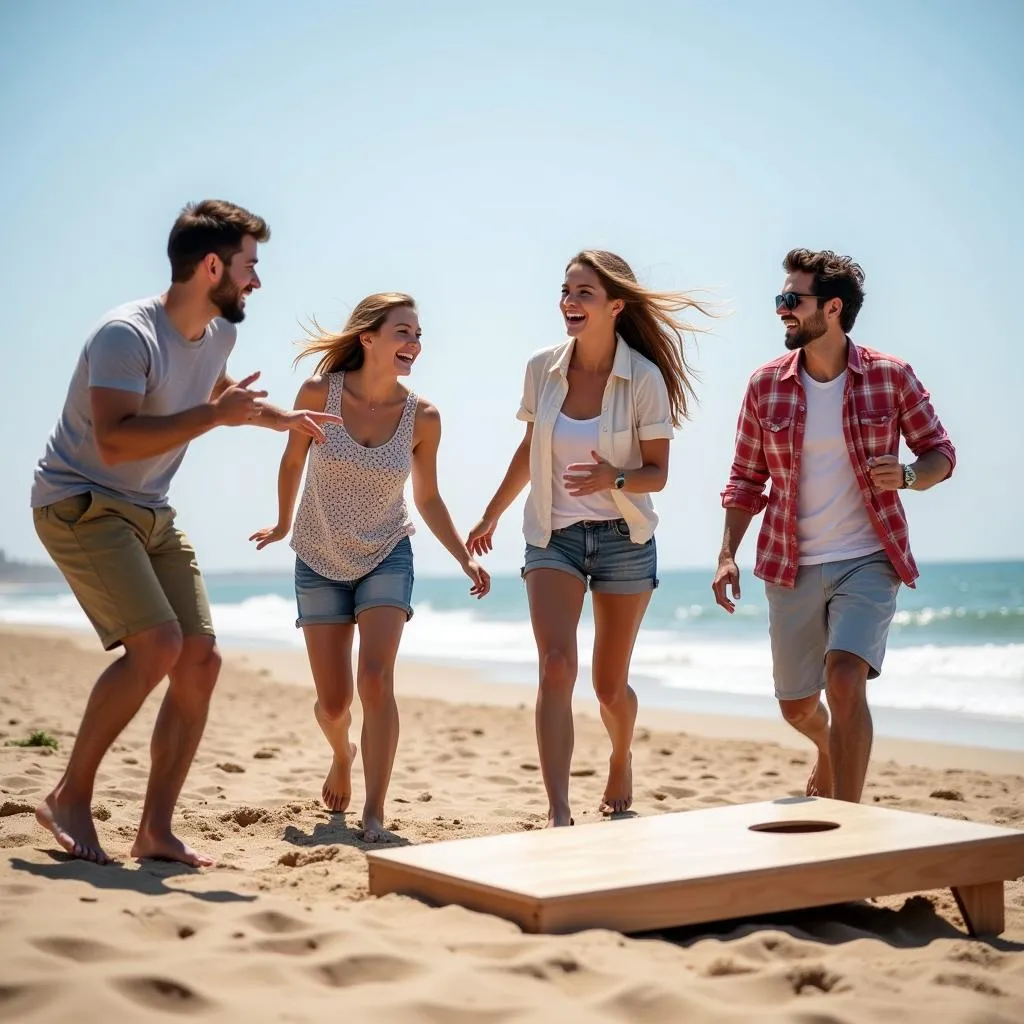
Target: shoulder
(873,359)
(313,392)
(768,373)
(427,412)
(644,370)
(543,358)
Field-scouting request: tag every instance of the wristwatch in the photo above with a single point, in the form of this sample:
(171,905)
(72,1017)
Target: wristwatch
(620,481)
(909,476)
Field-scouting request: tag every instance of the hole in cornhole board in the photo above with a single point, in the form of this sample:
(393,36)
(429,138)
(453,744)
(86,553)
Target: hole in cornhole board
(790,827)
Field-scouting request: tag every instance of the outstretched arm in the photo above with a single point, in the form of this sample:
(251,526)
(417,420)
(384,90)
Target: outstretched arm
(123,435)
(429,502)
(305,421)
(311,399)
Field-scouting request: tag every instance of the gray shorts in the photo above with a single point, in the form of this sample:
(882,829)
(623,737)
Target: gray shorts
(837,606)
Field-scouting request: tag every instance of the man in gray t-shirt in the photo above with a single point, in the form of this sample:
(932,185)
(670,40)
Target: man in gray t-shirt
(152,376)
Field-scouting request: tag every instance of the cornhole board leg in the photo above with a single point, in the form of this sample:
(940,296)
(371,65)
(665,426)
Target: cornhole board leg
(982,907)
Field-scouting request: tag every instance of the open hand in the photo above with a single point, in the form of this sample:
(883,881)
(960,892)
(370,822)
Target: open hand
(886,472)
(481,536)
(480,577)
(727,575)
(303,421)
(268,535)
(238,404)
(589,477)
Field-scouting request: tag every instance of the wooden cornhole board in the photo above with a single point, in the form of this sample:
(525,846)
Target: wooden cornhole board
(690,867)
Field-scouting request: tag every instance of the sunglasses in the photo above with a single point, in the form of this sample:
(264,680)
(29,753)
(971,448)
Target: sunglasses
(792,299)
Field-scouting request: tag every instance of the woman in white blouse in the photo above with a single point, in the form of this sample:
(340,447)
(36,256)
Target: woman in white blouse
(600,410)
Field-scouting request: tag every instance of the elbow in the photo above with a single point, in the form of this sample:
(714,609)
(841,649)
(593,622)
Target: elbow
(427,504)
(659,482)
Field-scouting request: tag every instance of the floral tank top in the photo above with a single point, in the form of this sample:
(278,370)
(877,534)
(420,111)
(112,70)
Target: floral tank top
(353,509)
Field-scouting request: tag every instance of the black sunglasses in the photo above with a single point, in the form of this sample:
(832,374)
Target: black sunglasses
(792,299)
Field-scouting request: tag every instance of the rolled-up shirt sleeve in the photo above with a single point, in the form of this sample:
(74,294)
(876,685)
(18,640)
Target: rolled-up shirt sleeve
(652,408)
(118,359)
(528,405)
(919,423)
(749,473)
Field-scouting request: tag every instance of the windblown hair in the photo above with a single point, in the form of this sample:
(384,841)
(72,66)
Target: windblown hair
(343,350)
(214,225)
(647,324)
(835,277)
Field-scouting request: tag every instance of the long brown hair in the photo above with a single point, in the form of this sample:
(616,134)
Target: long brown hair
(343,350)
(648,325)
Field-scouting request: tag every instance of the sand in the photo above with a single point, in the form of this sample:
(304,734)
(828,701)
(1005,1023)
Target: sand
(283,929)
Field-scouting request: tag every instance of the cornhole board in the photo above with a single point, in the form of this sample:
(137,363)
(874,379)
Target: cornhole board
(693,867)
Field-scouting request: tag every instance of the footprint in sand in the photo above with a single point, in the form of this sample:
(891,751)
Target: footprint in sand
(81,951)
(364,969)
(163,994)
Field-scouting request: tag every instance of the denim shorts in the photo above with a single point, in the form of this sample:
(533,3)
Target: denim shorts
(322,601)
(600,554)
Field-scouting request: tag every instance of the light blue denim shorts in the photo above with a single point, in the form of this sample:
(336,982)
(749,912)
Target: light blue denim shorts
(322,601)
(599,553)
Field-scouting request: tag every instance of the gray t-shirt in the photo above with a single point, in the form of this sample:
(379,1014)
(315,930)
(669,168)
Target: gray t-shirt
(134,348)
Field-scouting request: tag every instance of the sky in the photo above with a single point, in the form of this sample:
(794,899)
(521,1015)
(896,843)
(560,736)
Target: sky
(462,152)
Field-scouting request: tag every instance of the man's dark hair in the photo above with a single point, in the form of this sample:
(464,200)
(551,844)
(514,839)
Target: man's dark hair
(213,225)
(835,277)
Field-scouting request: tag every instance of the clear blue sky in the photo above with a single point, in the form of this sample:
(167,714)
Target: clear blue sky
(462,152)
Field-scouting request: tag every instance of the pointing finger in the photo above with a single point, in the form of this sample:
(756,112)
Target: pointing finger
(246,381)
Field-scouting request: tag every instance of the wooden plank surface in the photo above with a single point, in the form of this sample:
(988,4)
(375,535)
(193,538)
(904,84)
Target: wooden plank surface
(698,866)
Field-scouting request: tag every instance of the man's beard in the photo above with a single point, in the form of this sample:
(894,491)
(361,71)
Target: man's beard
(227,297)
(810,330)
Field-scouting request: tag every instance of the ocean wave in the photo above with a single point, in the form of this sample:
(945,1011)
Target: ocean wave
(980,678)
(931,616)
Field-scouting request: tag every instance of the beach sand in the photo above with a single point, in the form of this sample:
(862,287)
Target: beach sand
(283,929)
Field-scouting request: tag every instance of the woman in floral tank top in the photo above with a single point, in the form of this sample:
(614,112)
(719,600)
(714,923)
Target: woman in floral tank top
(354,563)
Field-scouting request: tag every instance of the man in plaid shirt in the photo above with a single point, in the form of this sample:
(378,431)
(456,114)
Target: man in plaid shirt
(823,423)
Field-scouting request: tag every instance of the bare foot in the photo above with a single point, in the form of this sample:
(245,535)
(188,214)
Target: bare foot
(72,826)
(559,818)
(618,793)
(375,832)
(168,847)
(820,783)
(337,790)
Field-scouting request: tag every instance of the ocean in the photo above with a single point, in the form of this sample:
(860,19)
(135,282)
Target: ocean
(954,671)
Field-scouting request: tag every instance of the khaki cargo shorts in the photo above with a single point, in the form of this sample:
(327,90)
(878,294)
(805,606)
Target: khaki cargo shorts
(129,567)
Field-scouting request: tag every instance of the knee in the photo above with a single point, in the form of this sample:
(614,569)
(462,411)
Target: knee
(557,672)
(332,708)
(800,712)
(608,690)
(846,678)
(376,683)
(198,666)
(155,653)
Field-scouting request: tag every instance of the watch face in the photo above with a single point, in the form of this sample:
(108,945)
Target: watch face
(909,476)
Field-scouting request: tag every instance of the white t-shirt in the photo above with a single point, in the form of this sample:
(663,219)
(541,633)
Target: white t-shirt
(832,523)
(573,441)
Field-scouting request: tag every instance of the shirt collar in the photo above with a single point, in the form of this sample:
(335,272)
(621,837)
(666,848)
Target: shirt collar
(622,365)
(854,362)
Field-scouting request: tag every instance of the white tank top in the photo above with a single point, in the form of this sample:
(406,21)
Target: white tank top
(832,523)
(353,510)
(573,441)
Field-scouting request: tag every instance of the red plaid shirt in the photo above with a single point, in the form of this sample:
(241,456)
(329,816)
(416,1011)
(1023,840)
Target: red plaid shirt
(882,400)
